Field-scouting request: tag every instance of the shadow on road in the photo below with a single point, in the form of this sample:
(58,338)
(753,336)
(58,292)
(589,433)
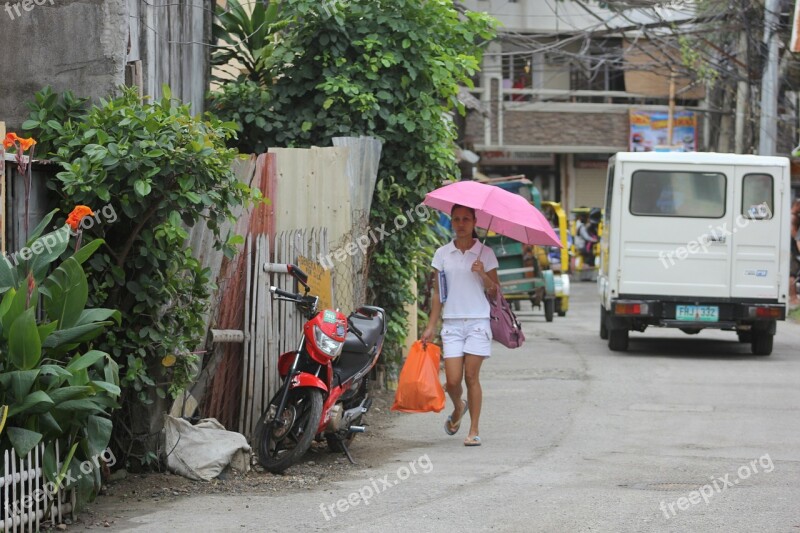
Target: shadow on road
(691,347)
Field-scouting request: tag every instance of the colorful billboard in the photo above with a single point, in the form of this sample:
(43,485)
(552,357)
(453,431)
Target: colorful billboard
(649,130)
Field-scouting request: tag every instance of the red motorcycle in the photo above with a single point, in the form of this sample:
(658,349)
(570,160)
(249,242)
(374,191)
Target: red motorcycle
(323,392)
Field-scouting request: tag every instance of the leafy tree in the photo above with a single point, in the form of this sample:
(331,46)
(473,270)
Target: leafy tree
(155,170)
(384,68)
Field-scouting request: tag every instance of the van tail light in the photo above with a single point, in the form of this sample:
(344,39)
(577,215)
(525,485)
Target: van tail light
(758,311)
(635,309)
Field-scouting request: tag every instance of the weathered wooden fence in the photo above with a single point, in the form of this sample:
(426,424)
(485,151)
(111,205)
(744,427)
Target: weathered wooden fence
(26,498)
(272,327)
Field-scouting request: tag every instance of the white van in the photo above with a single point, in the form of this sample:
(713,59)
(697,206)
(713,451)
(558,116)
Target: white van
(694,241)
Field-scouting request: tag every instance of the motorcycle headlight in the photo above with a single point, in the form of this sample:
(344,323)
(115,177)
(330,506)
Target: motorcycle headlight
(329,346)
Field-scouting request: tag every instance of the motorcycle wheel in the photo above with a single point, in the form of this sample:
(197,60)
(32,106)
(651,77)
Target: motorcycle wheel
(281,446)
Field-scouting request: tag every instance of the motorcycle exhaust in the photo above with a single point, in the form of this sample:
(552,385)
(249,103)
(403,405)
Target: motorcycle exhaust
(355,412)
(356,429)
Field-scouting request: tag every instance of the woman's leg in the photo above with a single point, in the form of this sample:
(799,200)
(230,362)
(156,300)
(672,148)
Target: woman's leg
(472,370)
(454,373)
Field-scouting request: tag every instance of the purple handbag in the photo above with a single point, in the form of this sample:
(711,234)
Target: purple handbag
(506,329)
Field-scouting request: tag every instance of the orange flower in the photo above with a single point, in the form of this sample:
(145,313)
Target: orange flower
(26,143)
(78,214)
(10,139)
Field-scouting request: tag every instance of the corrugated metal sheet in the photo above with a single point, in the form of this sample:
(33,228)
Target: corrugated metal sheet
(201,239)
(331,188)
(313,191)
(225,311)
(362,172)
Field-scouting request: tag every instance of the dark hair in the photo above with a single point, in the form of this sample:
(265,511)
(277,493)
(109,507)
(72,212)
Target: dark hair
(471,210)
(456,206)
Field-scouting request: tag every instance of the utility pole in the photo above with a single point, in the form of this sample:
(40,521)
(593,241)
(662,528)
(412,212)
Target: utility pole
(768,130)
(742,95)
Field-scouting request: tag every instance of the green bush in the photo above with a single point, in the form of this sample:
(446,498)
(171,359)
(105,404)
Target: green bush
(157,169)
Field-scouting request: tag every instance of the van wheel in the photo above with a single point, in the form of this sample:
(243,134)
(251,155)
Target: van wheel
(603,327)
(618,340)
(745,336)
(761,343)
(549,308)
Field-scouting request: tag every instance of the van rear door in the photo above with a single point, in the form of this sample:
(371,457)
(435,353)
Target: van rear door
(669,245)
(756,232)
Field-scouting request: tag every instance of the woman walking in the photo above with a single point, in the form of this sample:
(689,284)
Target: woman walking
(465,271)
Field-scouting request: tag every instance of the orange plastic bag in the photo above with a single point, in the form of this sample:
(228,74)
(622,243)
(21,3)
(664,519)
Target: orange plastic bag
(419,389)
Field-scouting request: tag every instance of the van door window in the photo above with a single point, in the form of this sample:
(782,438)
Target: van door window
(757,196)
(678,194)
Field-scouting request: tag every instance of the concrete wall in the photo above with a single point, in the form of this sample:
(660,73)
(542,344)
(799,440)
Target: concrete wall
(76,45)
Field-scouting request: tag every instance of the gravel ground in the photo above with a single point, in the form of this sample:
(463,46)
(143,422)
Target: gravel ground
(140,493)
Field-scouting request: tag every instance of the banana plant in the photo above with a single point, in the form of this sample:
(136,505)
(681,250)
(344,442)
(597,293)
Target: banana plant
(53,385)
(247,40)
(3,415)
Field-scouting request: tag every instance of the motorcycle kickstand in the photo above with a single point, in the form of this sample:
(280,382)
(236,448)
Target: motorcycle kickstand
(347,452)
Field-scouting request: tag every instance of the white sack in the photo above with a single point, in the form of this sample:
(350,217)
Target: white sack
(202,451)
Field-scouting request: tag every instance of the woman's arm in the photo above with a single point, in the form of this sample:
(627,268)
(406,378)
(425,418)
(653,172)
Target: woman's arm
(489,279)
(494,283)
(436,311)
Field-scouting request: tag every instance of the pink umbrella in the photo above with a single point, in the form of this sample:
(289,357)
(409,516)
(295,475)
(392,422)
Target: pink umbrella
(497,210)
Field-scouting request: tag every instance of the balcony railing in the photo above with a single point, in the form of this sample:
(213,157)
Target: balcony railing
(576,96)
(499,100)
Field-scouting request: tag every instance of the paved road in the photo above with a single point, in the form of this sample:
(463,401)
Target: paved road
(682,433)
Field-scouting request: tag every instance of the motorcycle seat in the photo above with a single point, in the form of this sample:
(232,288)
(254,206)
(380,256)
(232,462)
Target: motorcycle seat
(355,356)
(348,364)
(371,330)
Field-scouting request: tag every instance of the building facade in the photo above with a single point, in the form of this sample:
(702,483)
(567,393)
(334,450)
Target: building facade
(560,86)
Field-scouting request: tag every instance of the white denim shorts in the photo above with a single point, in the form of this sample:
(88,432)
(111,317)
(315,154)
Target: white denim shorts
(466,335)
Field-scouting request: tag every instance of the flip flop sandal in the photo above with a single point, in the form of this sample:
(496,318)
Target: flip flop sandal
(449,427)
(472,441)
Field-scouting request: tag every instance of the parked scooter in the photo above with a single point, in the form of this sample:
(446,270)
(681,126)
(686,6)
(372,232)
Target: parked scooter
(323,392)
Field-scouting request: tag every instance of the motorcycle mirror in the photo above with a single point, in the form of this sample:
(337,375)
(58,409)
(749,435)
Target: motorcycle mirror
(295,271)
(299,275)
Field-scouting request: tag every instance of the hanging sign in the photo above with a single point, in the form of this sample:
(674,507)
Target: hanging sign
(648,131)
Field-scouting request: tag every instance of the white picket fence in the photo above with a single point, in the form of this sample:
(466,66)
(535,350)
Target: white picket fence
(24,502)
